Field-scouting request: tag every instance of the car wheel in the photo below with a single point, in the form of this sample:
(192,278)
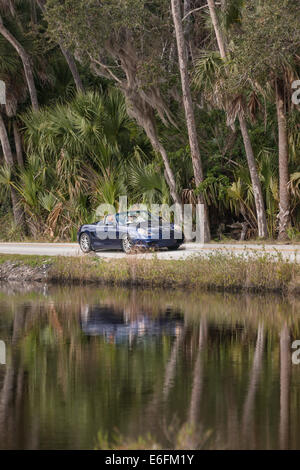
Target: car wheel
(85,243)
(174,247)
(127,245)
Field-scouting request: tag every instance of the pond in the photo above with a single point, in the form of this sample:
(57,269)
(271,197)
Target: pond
(115,368)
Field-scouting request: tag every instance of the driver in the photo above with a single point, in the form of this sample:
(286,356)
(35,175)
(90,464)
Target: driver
(110,219)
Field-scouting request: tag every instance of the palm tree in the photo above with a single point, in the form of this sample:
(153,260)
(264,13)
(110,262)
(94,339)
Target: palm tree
(283,154)
(189,113)
(271,32)
(258,195)
(11,73)
(83,153)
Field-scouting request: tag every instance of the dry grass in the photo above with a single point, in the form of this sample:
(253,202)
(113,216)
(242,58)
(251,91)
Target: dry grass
(224,272)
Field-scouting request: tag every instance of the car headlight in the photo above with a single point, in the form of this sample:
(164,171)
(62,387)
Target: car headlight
(143,232)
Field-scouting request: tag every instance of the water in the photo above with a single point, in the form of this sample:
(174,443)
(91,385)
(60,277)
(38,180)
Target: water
(106,368)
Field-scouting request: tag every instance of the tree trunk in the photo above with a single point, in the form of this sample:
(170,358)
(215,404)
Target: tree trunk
(169,175)
(218,32)
(8,157)
(283,151)
(168,170)
(33,12)
(18,145)
(188,107)
(68,56)
(144,115)
(26,63)
(73,68)
(223,5)
(187,26)
(257,190)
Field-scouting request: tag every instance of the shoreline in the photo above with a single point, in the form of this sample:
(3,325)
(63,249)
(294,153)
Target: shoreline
(218,272)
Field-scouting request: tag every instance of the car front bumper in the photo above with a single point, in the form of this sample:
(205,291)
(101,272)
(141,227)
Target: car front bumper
(157,243)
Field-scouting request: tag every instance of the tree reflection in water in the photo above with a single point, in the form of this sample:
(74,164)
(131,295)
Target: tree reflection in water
(162,369)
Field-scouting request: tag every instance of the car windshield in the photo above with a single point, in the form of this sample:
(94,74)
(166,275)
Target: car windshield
(136,217)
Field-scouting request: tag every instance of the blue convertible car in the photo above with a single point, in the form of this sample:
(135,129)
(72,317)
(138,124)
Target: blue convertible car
(128,230)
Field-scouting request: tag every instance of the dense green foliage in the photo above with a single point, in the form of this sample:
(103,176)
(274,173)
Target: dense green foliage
(82,148)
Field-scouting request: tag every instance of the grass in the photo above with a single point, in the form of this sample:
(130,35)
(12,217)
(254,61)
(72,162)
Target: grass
(261,272)
(256,241)
(26,260)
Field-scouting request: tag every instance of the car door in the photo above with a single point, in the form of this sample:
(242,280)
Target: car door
(99,237)
(113,241)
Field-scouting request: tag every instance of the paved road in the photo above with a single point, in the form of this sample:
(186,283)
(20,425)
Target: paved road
(290,252)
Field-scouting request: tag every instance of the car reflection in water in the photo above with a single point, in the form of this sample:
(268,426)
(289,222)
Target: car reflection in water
(118,326)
